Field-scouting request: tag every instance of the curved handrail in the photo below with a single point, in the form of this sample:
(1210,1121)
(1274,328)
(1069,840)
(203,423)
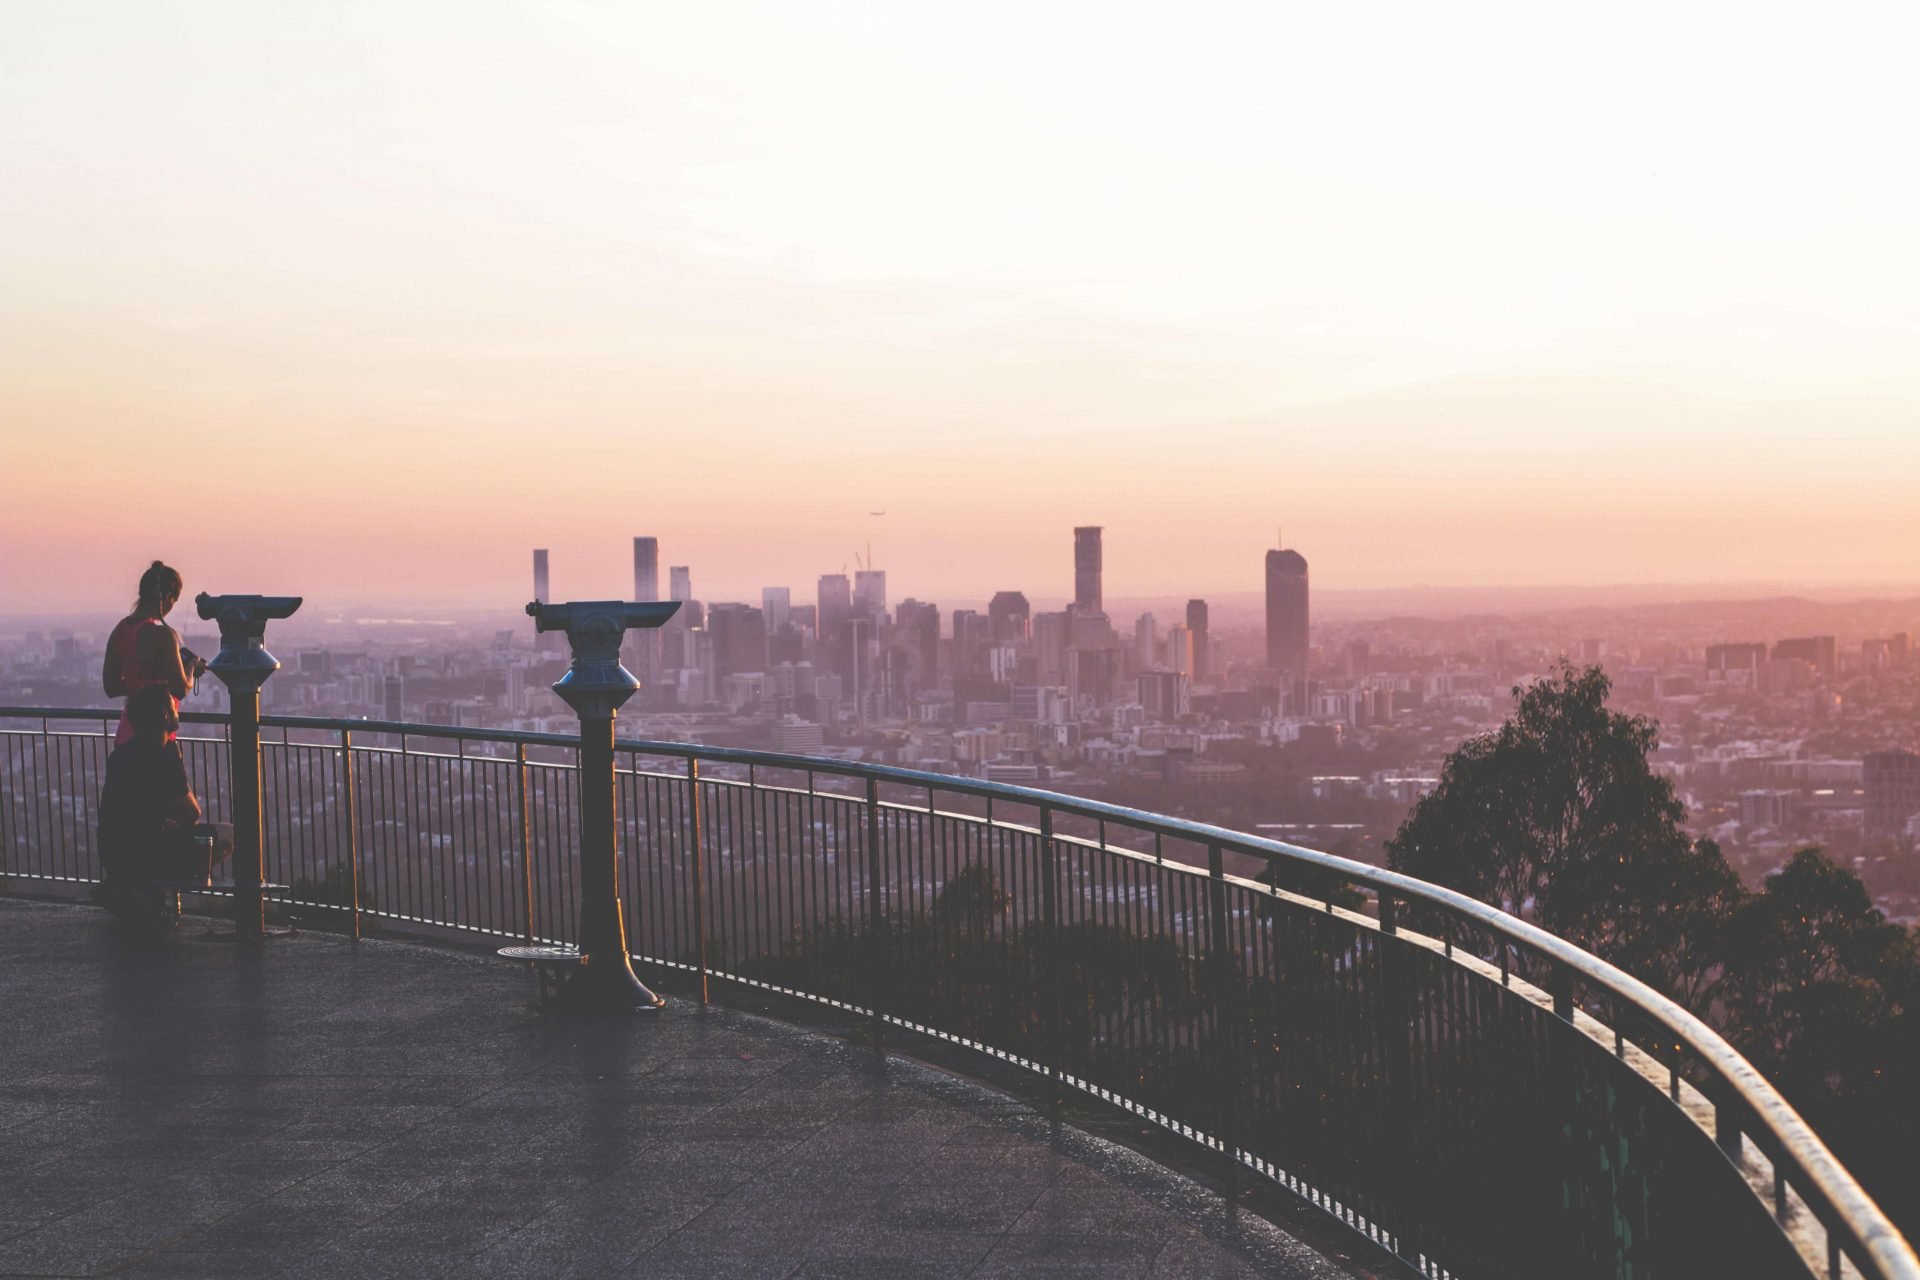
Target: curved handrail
(1829,1189)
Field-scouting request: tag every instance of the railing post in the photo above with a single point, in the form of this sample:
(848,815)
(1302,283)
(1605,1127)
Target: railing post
(1726,1128)
(1052,976)
(699,873)
(876,967)
(353,824)
(525,833)
(1560,984)
(1226,1017)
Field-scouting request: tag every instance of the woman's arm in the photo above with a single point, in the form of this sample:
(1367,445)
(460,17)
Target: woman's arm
(112,679)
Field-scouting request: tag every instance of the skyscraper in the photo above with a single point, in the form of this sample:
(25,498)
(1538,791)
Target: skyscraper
(831,639)
(1197,623)
(680,583)
(646,568)
(739,634)
(1010,616)
(1287,613)
(645,641)
(870,593)
(776,603)
(1086,569)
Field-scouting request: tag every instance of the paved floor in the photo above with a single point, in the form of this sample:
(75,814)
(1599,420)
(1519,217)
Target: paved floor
(312,1108)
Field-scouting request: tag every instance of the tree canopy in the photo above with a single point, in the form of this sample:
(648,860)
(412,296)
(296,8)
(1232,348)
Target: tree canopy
(1558,817)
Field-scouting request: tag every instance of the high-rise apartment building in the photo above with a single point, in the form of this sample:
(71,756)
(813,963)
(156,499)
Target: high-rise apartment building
(833,611)
(1287,613)
(870,593)
(1164,695)
(646,568)
(972,636)
(1821,651)
(1086,569)
(1892,783)
(917,629)
(1146,643)
(644,643)
(1011,617)
(739,634)
(1180,650)
(1197,623)
(1736,663)
(776,603)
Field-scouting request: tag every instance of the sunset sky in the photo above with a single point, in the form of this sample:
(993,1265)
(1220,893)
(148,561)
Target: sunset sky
(364,301)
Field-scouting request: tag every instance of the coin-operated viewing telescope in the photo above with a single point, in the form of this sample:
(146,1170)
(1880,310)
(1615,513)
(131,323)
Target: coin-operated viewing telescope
(596,683)
(243,629)
(596,686)
(243,665)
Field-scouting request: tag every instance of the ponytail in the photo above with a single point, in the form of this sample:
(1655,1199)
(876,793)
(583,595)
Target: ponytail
(156,584)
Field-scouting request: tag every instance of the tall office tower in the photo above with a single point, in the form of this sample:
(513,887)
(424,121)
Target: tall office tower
(835,606)
(1197,623)
(680,582)
(1899,644)
(644,642)
(1287,613)
(1146,643)
(971,639)
(739,634)
(541,587)
(646,568)
(1010,616)
(393,702)
(786,643)
(1050,636)
(831,639)
(1180,650)
(870,593)
(777,604)
(917,629)
(1092,674)
(1086,569)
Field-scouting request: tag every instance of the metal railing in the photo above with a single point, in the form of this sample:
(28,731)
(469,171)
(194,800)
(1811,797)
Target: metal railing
(1475,1094)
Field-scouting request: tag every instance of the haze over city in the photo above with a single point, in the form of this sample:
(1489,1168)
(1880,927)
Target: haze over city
(366,300)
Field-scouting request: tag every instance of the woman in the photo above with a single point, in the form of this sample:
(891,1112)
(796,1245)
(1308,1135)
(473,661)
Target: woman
(148,813)
(144,652)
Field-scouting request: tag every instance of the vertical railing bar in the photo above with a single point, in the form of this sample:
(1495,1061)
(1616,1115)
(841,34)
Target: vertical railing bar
(699,873)
(1050,975)
(353,831)
(525,834)
(877,970)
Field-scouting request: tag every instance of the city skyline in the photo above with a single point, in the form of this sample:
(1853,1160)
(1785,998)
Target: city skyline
(333,283)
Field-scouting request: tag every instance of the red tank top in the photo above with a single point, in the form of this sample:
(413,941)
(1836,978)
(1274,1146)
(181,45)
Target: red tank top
(124,645)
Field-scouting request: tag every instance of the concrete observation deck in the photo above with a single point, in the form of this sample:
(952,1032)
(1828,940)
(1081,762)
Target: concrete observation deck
(187,1107)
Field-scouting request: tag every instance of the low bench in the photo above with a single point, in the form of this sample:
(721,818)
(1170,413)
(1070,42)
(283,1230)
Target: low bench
(554,963)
